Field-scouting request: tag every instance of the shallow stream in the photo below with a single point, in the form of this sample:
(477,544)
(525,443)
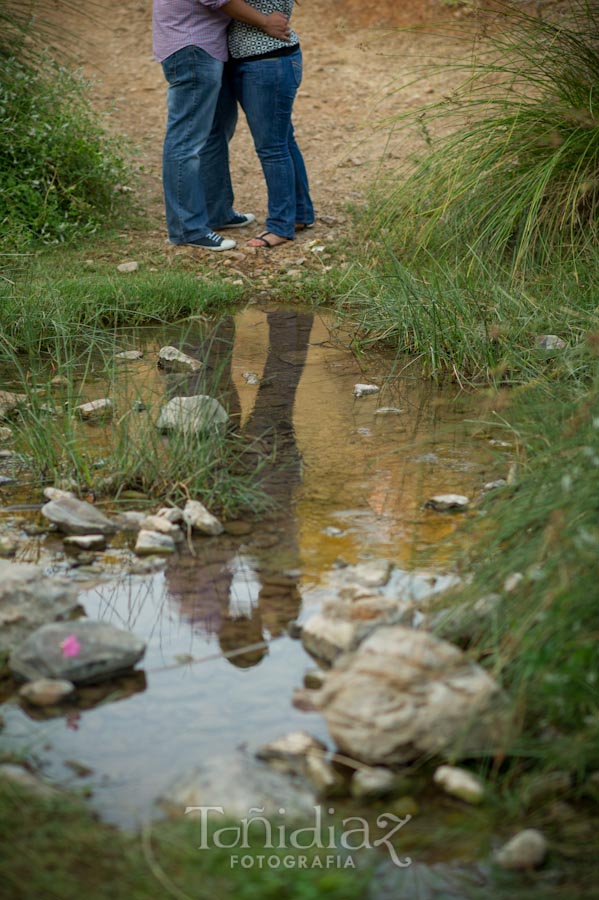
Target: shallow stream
(349,484)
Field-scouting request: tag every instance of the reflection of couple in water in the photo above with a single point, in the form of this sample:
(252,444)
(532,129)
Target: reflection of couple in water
(215,54)
(249,597)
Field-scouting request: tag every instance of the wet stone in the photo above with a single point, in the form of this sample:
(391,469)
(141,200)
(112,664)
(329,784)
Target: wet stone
(80,542)
(193,415)
(371,782)
(151,543)
(46,691)
(448,503)
(84,651)
(238,528)
(197,517)
(95,409)
(77,517)
(163,526)
(288,753)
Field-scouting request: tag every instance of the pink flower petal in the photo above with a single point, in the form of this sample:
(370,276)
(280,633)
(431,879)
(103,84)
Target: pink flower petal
(70,646)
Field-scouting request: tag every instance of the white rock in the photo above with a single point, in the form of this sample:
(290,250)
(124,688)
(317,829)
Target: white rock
(526,850)
(129,266)
(46,691)
(364,390)
(197,517)
(370,782)
(5,434)
(130,354)
(288,753)
(445,502)
(54,493)
(327,638)
(172,513)
(173,360)
(86,541)
(512,582)
(388,411)
(95,409)
(251,377)
(460,783)
(153,542)
(163,526)
(404,695)
(196,414)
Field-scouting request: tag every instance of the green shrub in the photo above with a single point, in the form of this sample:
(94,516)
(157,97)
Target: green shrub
(58,170)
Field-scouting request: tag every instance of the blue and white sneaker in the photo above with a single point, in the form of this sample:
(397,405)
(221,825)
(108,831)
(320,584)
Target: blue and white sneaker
(212,241)
(239,220)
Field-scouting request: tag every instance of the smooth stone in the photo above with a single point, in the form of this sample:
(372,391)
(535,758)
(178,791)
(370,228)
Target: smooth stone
(194,415)
(5,434)
(163,526)
(238,528)
(460,783)
(54,493)
(74,516)
(288,753)
(513,582)
(526,850)
(128,266)
(197,517)
(129,354)
(327,638)
(95,409)
(372,782)
(103,652)
(151,543)
(130,520)
(448,503)
(326,781)
(85,542)
(46,691)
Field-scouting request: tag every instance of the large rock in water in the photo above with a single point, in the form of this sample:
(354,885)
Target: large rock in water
(84,651)
(73,516)
(405,694)
(28,599)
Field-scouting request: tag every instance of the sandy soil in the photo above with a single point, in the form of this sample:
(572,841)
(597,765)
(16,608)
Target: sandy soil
(355,59)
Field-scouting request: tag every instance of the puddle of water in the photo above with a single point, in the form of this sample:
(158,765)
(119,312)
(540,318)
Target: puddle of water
(349,483)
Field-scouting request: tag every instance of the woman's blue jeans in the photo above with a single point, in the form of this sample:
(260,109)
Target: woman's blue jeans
(266,89)
(202,114)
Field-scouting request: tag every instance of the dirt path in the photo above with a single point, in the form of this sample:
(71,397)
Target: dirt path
(354,58)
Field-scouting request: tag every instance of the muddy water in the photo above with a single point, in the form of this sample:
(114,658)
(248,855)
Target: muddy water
(349,484)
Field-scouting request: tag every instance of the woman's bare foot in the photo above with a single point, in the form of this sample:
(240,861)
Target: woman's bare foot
(268,241)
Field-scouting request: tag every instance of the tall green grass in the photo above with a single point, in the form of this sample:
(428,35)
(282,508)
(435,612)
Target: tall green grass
(515,174)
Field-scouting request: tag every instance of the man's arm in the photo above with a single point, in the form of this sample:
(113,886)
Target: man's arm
(275,24)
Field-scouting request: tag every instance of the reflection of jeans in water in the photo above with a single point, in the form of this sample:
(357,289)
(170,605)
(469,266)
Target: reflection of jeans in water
(266,89)
(202,115)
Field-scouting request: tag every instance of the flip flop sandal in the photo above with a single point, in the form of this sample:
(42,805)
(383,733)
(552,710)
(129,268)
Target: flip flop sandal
(267,245)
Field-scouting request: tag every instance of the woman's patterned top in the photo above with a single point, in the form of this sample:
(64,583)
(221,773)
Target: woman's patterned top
(247,40)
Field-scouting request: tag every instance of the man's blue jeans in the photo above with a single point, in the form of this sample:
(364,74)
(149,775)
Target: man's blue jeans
(266,89)
(202,114)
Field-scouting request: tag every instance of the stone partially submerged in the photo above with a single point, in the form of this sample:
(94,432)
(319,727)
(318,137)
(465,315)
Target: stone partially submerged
(73,516)
(83,652)
(405,694)
(194,415)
